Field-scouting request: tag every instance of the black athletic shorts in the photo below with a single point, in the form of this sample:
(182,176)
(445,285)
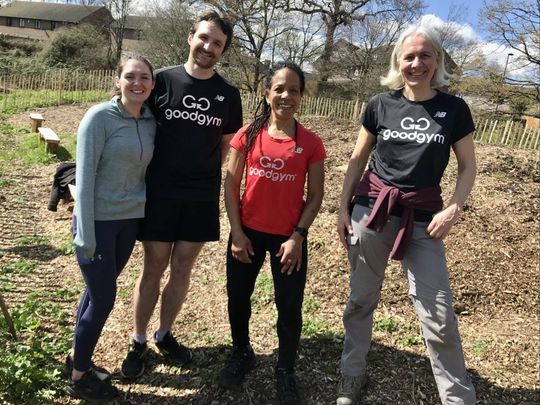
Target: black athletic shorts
(172,220)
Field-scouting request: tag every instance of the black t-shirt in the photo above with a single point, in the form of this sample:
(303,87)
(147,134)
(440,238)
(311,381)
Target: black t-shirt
(414,138)
(192,116)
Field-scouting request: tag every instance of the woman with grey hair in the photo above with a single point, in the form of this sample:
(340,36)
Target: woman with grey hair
(394,209)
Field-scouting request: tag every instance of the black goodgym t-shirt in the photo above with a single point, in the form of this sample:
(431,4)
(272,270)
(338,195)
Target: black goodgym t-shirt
(414,138)
(192,116)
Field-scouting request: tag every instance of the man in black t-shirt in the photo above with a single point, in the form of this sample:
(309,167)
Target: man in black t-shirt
(197,113)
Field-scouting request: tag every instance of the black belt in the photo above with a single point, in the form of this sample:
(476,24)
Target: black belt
(397,210)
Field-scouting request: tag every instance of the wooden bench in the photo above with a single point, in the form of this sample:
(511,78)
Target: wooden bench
(50,138)
(36,120)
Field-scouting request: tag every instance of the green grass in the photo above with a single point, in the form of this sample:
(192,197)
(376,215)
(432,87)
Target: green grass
(479,347)
(310,305)
(67,248)
(65,294)
(387,325)
(409,339)
(28,240)
(264,290)
(20,144)
(23,266)
(29,372)
(5,182)
(315,327)
(21,100)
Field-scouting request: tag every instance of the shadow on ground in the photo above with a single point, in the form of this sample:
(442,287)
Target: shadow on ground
(409,382)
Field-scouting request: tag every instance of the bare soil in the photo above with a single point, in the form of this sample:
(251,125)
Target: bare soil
(492,252)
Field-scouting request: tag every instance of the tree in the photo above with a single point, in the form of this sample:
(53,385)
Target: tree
(166,32)
(258,23)
(373,37)
(83,47)
(338,13)
(515,24)
(119,9)
(300,45)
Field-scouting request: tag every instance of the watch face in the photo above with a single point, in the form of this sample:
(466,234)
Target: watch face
(301,231)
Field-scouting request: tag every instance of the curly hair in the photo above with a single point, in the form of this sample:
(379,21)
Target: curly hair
(262,113)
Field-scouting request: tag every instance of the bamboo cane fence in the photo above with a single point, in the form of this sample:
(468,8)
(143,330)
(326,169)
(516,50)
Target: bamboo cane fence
(507,133)
(20,92)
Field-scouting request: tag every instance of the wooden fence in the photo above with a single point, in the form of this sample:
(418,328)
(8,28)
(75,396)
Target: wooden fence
(53,88)
(317,106)
(507,133)
(67,87)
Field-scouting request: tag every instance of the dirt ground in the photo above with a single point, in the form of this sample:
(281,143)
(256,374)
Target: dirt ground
(492,252)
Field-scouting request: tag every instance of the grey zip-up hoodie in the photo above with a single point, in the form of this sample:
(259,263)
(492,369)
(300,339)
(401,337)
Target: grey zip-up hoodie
(113,151)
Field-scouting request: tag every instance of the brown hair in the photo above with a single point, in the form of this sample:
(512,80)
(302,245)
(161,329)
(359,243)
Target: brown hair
(224,24)
(122,63)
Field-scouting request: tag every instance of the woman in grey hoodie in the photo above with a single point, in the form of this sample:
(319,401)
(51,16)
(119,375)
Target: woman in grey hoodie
(115,143)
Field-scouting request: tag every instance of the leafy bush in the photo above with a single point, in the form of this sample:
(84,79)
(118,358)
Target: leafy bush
(83,47)
(21,46)
(10,64)
(28,370)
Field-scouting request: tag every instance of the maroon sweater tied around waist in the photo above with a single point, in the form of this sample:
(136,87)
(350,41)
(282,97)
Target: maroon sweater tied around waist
(426,199)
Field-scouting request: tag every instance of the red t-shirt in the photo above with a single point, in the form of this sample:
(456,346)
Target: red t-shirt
(276,170)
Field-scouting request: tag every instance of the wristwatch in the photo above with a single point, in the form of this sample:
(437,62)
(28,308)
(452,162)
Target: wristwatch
(301,231)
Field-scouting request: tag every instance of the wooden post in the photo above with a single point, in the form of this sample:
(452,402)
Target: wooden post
(477,132)
(523,136)
(510,132)
(501,141)
(496,124)
(9,321)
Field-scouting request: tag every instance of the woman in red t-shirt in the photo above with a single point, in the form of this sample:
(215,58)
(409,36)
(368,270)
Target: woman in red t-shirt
(276,154)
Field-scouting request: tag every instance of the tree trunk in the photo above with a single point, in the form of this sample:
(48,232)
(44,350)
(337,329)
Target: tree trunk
(328,50)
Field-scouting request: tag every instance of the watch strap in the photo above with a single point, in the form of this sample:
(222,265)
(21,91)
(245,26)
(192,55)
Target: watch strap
(301,231)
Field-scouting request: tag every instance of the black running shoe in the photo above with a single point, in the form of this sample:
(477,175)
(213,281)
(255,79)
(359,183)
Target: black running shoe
(91,388)
(240,362)
(174,351)
(287,389)
(133,364)
(100,372)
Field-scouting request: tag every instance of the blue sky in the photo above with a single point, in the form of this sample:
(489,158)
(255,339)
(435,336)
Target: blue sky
(441,9)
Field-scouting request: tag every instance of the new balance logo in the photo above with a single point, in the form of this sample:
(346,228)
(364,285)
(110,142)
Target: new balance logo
(219,98)
(440,114)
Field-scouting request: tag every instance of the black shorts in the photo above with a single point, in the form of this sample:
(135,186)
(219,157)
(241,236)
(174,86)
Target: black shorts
(172,220)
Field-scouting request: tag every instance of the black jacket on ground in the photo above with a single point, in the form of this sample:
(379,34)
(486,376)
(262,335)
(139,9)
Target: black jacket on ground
(65,174)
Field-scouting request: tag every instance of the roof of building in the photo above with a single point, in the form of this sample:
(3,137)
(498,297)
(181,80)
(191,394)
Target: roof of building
(71,13)
(136,22)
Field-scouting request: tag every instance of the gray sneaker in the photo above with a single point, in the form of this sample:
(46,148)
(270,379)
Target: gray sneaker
(350,388)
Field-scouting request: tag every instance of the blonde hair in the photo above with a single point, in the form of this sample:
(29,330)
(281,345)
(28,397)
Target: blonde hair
(393,78)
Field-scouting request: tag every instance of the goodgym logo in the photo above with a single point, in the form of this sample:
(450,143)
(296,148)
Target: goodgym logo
(194,110)
(271,169)
(413,130)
